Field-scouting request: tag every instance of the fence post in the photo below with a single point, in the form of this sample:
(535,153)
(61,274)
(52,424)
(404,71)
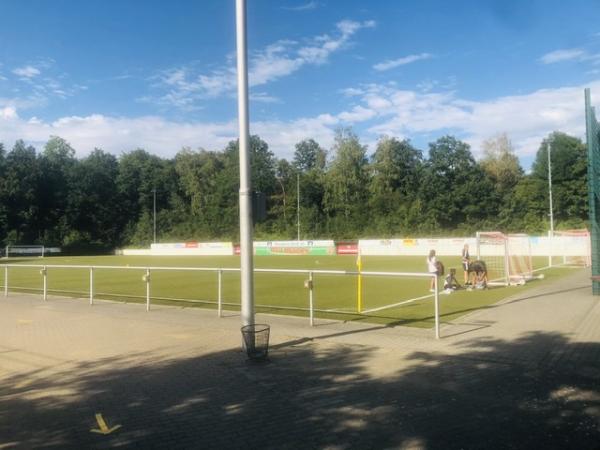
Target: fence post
(437,308)
(45,274)
(6,281)
(219,293)
(147,279)
(91,285)
(311,299)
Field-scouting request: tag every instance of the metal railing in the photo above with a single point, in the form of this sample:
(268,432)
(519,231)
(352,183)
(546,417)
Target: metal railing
(147,272)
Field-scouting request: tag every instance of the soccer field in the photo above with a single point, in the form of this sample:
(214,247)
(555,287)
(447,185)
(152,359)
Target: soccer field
(335,295)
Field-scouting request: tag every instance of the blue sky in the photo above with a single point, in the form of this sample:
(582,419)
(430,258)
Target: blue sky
(161,75)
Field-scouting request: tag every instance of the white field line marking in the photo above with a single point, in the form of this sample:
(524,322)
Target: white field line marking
(398,304)
(338,310)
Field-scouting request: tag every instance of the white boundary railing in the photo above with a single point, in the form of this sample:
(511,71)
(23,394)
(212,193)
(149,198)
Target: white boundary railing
(146,278)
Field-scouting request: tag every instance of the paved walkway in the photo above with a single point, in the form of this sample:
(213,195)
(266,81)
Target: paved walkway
(521,374)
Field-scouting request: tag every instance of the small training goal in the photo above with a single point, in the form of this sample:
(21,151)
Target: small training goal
(571,248)
(24,250)
(507,257)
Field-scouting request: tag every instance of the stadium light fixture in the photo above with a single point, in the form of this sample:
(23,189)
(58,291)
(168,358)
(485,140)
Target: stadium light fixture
(246,247)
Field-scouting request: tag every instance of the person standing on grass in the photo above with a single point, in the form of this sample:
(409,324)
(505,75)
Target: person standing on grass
(432,268)
(466,259)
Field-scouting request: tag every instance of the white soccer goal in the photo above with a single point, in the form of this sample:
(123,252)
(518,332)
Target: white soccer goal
(507,257)
(571,248)
(24,250)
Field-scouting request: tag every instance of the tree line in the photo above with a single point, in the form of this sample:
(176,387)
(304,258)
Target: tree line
(102,201)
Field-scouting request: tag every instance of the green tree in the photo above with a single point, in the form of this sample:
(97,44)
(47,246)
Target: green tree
(207,191)
(139,174)
(309,155)
(569,178)
(197,172)
(262,163)
(263,179)
(283,201)
(501,163)
(526,210)
(346,185)
(395,169)
(309,162)
(57,164)
(454,188)
(21,189)
(97,221)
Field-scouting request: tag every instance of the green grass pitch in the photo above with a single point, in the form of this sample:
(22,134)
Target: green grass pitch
(335,296)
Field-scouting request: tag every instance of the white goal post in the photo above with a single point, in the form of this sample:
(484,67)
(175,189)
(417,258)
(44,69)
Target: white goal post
(570,248)
(24,250)
(507,257)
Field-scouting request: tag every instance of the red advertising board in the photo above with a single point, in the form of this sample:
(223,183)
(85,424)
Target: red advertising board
(347,248)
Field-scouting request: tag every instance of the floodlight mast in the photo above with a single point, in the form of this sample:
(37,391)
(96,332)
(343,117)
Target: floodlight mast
(298,204)
(548,148)
(154,214)
(246,247)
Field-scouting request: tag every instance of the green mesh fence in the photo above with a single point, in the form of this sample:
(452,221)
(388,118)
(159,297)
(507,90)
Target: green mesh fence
(593,143)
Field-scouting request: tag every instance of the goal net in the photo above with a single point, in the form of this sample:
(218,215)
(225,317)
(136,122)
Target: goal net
(24,250)
(571,248)
(507,257)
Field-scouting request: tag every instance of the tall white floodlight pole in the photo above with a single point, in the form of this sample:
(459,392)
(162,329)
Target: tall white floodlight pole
(548,147)
(154,216)
(298,204)
(246,248)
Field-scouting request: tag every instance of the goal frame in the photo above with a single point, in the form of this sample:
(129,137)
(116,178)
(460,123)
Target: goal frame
(516,267)
(558,250)
(8,248)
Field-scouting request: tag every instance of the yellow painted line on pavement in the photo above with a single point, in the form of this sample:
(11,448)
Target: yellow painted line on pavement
(24,321)
(103,428)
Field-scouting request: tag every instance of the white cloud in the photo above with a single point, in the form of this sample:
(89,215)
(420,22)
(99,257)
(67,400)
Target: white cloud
(8,112)
(305,7)
(390,64)
(26,72)
(571,54)
(32,88)
(357,114)
(117,134)
(377,109)
(526,118)
(184,88)
(563,55)
(352,92)
(427,85)
(158,135)
(263,97)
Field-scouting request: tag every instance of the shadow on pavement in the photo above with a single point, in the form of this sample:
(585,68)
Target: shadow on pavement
(312,396)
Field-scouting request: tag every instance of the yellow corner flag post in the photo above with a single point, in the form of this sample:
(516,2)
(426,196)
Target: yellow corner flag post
(359,285)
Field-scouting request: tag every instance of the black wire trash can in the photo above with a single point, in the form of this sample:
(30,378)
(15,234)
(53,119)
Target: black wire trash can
(256,341)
